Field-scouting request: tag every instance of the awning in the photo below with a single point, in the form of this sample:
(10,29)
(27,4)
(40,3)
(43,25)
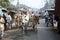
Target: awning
(50,9)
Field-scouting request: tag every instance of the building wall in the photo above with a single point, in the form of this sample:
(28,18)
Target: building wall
(57,8)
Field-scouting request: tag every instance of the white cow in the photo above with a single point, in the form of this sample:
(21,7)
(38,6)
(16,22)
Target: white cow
(25,20)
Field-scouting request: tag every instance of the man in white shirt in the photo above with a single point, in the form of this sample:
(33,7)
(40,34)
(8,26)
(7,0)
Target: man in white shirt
(9,19)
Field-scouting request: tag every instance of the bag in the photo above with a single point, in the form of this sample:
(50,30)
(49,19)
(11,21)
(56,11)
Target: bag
(55,23)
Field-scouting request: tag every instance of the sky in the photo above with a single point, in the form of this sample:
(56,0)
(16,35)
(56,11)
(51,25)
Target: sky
(31,3)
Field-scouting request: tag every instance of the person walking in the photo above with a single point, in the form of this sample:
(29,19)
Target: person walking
(9,19)
(46,18)
(1,23)
(4,16)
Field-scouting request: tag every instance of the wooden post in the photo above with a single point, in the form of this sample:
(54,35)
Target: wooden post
(57,13)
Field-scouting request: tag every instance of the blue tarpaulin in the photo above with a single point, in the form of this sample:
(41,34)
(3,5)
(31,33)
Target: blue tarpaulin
(1,13)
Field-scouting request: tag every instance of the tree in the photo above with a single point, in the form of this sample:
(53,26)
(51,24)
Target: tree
(4,3)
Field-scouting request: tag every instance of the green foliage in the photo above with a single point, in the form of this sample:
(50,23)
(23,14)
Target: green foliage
(4,3)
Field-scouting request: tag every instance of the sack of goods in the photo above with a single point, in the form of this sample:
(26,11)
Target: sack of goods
(55,23)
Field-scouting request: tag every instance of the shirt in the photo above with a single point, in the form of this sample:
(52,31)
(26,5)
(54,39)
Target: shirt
(1,25)
(8,18)
(1,13)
